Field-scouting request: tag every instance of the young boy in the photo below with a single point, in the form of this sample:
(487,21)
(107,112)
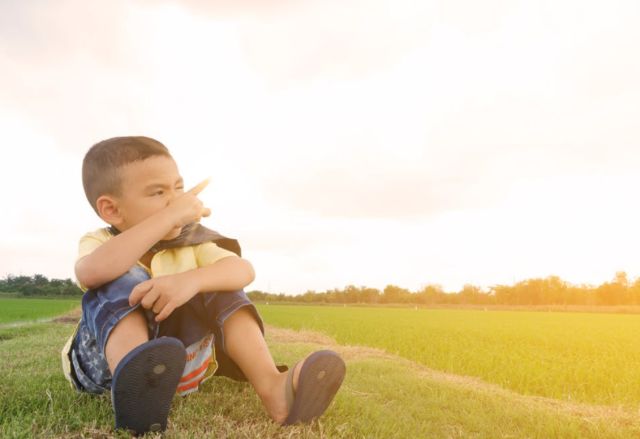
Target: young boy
(164,307)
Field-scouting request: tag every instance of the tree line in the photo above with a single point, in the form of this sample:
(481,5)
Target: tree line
(551,290)
(38,285)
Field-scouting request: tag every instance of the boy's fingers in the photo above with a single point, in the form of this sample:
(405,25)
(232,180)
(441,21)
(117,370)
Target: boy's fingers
(199,187)
(166,311)
(139,291)
(206,212)
(159,304)
(149,298)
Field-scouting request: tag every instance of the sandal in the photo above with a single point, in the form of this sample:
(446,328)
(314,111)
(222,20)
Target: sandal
(320,378)
(144,383)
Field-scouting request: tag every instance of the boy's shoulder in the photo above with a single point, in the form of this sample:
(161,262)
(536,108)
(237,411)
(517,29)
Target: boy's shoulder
(102,234)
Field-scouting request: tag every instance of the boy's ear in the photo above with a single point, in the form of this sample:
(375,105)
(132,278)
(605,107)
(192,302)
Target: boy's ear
(108,210)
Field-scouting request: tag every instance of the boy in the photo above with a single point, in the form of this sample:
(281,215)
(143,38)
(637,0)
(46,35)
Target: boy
(164,307)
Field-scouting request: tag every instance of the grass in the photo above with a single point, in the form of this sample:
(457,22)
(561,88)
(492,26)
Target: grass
(591,358)
(390,391)
(382,396)
(19,309)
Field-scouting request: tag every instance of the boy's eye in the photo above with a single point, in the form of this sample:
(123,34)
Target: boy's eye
(181,188)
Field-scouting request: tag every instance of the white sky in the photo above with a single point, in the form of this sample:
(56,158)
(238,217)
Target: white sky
(349,142)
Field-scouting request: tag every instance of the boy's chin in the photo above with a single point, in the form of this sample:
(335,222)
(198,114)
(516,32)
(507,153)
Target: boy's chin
(174,233)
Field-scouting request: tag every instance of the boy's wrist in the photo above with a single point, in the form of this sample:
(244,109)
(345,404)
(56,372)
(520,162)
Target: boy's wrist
(191,280)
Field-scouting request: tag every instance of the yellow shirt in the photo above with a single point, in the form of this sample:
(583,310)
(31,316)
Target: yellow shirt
(165,262)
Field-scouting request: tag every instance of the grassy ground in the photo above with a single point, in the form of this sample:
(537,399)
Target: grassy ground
(24,309)
(383,396)
(591,358)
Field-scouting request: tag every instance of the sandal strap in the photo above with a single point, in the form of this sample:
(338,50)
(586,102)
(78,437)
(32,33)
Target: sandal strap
(289,392)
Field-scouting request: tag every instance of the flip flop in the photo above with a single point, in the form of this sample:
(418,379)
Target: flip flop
(144,383)
(319,380)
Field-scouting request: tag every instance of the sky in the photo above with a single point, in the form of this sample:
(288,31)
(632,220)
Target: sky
(348,142)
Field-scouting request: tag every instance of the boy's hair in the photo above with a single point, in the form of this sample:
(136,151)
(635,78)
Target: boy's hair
(103,162)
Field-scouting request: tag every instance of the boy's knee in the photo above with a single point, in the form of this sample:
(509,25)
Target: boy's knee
(114,294)
(128,333)
(125,282)
(133,325)
(243,316)
(128,280)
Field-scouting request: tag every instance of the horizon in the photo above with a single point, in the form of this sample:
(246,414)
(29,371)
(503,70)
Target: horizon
(630,282)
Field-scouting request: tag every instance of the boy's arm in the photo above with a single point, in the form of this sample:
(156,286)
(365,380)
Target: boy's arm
(165,293)
(227,274)
(116,256)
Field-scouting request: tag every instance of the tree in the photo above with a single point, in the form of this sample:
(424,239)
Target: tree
(395,294)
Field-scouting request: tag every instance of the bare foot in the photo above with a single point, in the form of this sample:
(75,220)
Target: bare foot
(275,401)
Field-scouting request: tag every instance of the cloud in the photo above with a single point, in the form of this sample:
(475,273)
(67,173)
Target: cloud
(353,108)
(287,41)
(223,9)
(459,120)
(42,187)
(39,32)
(70,68)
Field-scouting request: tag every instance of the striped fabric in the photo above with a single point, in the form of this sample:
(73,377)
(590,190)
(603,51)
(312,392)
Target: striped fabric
(201,365)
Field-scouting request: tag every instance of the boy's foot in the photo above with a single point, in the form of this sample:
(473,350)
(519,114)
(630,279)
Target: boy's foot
(319,379)
(144,383)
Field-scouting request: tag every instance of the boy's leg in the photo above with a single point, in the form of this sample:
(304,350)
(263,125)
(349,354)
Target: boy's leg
(247,347)
(116,327)
(129,333)
(242,354)
(106,311)
(142,374)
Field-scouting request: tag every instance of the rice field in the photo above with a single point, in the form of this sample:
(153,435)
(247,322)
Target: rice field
(579,357)
(22,310)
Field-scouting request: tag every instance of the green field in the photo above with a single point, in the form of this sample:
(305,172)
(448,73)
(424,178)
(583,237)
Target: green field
(384,395)
(585,357)
(21,310)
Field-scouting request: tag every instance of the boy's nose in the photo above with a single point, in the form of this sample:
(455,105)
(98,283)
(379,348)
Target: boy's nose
(171,195)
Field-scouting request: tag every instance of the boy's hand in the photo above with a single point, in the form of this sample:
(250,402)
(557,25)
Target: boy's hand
(187,208)
(163,294)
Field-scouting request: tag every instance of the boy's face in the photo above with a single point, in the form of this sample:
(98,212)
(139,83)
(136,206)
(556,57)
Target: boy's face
(147,187)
